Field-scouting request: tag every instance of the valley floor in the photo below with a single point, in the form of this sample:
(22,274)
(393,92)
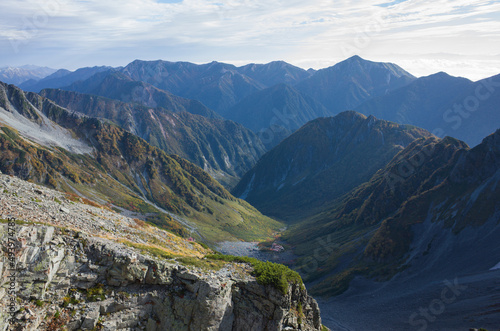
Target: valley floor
(454,287)
(471,301)
(251,249)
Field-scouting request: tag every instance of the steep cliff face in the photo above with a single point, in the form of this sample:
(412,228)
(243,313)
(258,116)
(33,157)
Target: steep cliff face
(223,148)
(94,281)
(85,267)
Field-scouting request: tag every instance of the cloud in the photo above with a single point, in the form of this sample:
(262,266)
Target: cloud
(201,30)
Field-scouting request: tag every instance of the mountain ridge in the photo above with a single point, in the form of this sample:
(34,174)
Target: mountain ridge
(443,104)
(324,159)
(350,82)
(432,181)
(124,171)
(223,148)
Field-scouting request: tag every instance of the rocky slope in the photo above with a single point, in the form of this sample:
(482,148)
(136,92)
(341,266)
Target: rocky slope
(426,225)
(223,148)
(84,267)
(320,162)
(422,210)
(47,144)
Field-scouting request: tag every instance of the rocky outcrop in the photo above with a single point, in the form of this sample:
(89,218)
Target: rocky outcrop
(69,278)
(84,266)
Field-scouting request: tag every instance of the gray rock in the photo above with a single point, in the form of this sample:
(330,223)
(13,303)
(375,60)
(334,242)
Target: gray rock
(114,285)
(90,319)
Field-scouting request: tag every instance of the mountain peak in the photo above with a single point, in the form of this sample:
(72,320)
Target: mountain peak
(493,141)
(354,58)
(348,84)
(441,75)
(351,114)
(321,161)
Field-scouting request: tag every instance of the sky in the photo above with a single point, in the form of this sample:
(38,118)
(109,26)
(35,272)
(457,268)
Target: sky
(460,37)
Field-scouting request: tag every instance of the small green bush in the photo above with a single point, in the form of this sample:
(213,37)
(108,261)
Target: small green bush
(267,273)
(96,293)
(69,300)
(204,245)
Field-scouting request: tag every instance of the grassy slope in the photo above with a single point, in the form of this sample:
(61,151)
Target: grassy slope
(122,168)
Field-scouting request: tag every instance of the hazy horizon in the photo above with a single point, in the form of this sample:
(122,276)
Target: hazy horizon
(461,38)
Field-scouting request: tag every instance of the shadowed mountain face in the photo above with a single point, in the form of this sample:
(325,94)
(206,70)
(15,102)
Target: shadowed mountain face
(223,148)
(47,144)
(217,85)
(118,86)
(62,78)
(444,105)
(326,158)
(434,200)
(353,81)
(275,112)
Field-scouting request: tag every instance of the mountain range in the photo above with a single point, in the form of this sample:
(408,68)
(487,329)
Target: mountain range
(217,85)
(381,186)
(61,78)
(18,75)
(275,99)
(116,85)
(444,105)
(223,148)
(326,158)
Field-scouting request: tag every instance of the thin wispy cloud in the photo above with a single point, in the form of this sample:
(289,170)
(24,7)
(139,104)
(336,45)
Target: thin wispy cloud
(93,32)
